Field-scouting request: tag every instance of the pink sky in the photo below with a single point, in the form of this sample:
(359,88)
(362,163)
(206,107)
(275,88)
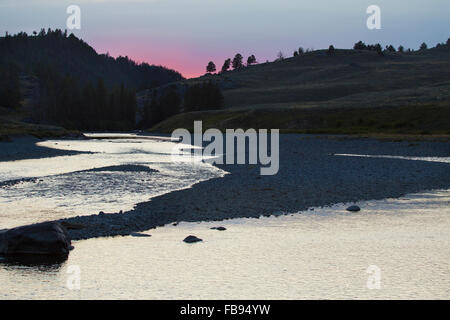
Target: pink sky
(186,34)
(178,56)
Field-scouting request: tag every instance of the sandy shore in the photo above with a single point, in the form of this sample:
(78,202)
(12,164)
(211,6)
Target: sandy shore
(310,175)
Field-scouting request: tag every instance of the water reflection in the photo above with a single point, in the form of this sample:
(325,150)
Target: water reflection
(33,261)
(115,175)
(431,159)
(320,254)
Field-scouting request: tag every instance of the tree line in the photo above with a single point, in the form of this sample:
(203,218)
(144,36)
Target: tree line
(161,104)
(238,61)
(68,54)
(99,102)
(10,93)
(65,101)
(77,88)
(91,106)
(390,48)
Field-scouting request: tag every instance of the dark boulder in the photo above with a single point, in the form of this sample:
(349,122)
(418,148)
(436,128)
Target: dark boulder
(353,208)
(219,228)
(192,239)
(140,235)
(48,238)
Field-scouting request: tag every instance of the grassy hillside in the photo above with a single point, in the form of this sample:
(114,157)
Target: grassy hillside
(348,92)
(9,128)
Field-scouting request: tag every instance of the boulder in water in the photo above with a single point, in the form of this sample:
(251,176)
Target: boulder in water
(47,238)
(219,228)
(192,239)
(140,235)
(353,208)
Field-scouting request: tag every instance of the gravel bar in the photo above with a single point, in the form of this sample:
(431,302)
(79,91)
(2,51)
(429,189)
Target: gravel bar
(310,175)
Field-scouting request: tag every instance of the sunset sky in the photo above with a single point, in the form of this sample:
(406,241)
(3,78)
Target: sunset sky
(186,34)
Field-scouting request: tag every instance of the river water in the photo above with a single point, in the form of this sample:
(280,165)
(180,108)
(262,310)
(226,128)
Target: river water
(114,174)
(402,245)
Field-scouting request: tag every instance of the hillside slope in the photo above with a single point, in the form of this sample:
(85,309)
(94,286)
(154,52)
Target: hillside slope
(318,92)
(67,54)
(53,79)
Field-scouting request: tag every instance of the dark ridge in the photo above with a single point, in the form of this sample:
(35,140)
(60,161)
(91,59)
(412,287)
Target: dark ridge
(67,54)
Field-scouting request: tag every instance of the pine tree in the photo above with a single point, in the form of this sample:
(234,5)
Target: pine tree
(211,67)
(331,50)
(226,65)
(360,46)
(251,60)
(237,62)
(390,48)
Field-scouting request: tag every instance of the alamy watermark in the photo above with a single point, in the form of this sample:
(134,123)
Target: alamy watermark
(374,279)
(74,277)
(374,20)
(234,149)
(74,19)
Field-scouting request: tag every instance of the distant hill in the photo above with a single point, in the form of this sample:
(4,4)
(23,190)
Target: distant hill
(348,91)
(67,54)
(53,78)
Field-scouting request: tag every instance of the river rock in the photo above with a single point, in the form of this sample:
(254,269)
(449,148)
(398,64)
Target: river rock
(48,238)
(140,235)
(192,239)
(219,228)
(353,208)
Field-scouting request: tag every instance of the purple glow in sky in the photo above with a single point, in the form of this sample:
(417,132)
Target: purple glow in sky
(186,34)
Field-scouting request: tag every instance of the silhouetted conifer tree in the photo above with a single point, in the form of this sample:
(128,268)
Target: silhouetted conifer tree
(360,46)
(331,50)
(251,60)
(390,48)
(211,67)
(226,65)
(237,61)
